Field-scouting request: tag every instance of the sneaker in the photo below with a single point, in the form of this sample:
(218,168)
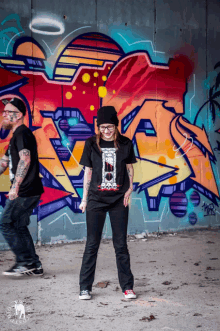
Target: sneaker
(85,295)
(129,294)
(38,271)
(19,270)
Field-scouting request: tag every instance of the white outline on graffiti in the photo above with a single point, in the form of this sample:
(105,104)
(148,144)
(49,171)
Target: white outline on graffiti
(52,53)
(56,219)
(141,41)
(177,150)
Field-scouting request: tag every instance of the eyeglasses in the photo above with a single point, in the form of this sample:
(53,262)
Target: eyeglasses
(109,128)
(9,112)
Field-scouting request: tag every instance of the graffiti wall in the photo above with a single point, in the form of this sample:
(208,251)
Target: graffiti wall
(162,75)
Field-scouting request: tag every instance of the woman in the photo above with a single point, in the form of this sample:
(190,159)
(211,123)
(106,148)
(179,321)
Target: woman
(108,183)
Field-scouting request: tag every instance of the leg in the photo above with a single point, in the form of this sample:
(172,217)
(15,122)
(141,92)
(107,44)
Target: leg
(95,221)
(119,222)
(14,221)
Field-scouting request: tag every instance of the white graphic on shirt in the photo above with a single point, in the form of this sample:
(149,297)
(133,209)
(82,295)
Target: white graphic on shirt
(11,175)
(108,169)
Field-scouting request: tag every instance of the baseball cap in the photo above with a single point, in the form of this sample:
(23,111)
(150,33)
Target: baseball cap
(18,103)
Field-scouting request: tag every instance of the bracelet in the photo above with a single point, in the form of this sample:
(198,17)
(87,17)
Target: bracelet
(84,201)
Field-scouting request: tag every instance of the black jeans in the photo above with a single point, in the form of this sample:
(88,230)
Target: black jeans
(13,225)
(95,220)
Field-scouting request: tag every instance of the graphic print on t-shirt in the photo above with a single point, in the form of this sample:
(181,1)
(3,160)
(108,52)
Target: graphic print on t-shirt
(108,170)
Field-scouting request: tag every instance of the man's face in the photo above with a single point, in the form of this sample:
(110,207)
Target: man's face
(11,116)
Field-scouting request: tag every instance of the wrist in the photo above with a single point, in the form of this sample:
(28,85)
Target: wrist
(15,187)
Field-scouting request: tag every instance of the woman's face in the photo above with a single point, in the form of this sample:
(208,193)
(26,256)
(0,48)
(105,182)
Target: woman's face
(107,131)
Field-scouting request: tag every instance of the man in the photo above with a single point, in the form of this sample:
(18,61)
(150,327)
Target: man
(26,189)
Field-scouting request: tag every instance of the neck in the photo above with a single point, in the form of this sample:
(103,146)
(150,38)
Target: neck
(19,123)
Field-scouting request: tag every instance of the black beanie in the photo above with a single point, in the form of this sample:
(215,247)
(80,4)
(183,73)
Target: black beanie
(107,114)
(18,103)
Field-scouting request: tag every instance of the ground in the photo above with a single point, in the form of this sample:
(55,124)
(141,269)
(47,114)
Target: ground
(177,278)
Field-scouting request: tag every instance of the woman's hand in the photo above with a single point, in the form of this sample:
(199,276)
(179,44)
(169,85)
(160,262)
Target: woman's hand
(127,196)
(83,205)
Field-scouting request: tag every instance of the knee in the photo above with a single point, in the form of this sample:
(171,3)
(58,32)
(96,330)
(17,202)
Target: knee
(121,248)
(91,247)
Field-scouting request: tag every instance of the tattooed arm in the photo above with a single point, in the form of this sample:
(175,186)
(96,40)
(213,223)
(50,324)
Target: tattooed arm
(4,164)
(130,171)
(22,169)
(86,184)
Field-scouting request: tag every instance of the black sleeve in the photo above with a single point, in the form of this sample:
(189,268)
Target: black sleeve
(86,155)
(23,141)
(131,156)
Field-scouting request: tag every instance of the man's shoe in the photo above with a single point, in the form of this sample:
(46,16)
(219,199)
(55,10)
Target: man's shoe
(19,270)
(39,271)
(85,295)
(129,294)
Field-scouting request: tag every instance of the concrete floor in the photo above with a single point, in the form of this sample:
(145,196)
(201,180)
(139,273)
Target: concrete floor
(188,262)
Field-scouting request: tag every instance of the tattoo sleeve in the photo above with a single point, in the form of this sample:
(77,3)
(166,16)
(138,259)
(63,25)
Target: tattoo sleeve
(22,168)
(130,171)
(4,164)
(86,182)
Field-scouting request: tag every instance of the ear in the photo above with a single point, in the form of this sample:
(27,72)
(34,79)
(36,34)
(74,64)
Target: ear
(20,115)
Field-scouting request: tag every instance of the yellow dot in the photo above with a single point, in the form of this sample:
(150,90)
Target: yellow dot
(196,162)
(171,153)
(109,68)
(167,142)
(69,95)
(84,92)
(74,87)
(94,84)
(95,74)
(208,175)
(162,160)
(86,78)
(113,91)
(207,164)
(104,78)
(173,180)
(102,91)
(92,108)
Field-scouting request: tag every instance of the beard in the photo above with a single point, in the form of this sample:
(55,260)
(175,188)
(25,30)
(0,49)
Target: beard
(6,126)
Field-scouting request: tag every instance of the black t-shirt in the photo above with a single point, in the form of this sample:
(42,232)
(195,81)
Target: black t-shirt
(110,179)
(23,138)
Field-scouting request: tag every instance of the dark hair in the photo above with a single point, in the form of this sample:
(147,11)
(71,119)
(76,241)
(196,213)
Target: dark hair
(116,139)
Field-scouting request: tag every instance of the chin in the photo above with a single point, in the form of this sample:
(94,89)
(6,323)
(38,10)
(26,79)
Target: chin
(6,126)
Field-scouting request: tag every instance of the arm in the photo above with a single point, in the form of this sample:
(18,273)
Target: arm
(86,184)
(130,171)
(22,169)
(4,164)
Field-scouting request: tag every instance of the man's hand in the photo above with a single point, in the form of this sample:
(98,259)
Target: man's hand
(13,193)
(127,196)
(4,164)
(82,206)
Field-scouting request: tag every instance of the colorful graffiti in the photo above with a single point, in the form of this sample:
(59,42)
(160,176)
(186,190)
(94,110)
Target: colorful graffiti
(173,154)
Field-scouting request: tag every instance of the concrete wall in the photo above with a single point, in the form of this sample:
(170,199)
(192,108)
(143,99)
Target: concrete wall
(158,63)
